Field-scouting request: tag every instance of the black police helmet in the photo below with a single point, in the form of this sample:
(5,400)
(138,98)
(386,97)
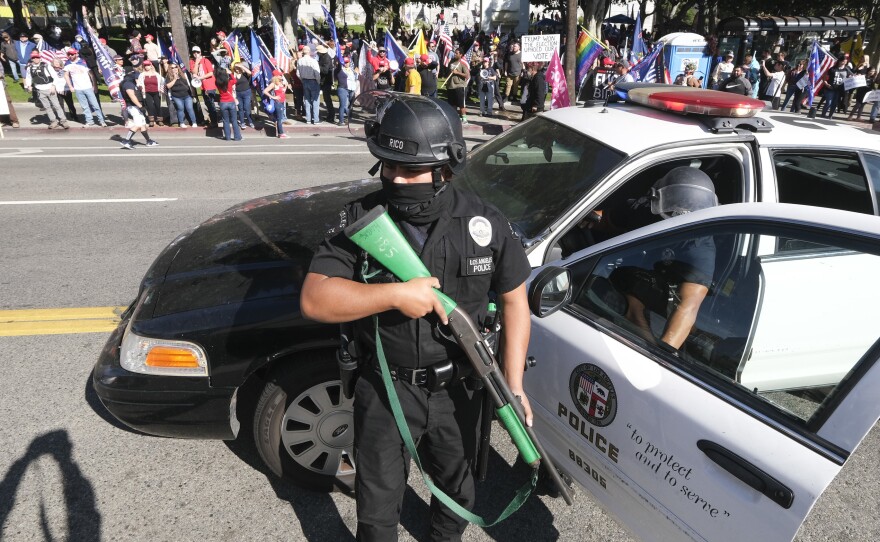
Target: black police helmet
(418,131)
(682,190)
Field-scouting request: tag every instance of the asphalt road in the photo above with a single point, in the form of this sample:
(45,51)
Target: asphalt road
(69,471)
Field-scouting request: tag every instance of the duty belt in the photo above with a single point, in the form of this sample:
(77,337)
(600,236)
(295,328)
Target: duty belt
(416,377)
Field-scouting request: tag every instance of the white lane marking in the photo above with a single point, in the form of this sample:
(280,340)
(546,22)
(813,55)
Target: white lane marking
(122,154)
(51,201)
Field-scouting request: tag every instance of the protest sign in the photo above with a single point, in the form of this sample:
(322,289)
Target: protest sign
(855,81)
(539,48)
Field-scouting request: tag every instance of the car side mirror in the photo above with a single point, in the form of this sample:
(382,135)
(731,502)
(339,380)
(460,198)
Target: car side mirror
(550,291)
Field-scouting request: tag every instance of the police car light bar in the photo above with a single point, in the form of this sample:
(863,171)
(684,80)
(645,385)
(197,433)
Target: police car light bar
(688,100)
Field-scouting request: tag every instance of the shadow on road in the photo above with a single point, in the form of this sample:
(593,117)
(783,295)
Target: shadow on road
(83,518)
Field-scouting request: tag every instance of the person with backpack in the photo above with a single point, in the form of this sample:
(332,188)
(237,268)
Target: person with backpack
(40,77)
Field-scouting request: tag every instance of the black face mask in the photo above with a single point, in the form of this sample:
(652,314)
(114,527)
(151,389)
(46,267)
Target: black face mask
(417,203)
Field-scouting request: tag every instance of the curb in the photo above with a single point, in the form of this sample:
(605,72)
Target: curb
(298,128)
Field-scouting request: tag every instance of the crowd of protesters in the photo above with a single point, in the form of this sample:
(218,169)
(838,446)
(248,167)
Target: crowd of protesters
(775,79)
(210,91)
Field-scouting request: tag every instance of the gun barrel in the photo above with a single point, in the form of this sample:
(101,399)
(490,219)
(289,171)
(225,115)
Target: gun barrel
(471,341)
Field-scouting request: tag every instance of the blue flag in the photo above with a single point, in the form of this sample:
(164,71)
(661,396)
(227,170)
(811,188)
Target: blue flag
(259,75)
(168,52)
(81,29)
(333,32)
(646,69)
(234,39)
(395,53)
(312,36)
(173,55)
(638,49)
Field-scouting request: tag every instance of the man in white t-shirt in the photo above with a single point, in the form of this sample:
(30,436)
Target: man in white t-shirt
(80,79)
(775,81)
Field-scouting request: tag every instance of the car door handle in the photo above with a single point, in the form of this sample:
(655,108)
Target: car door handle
(748,473)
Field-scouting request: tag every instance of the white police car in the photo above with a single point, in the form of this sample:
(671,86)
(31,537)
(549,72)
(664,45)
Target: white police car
(734,434)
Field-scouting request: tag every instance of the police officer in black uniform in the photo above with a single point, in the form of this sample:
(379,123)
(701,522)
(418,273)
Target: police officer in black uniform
(470,249)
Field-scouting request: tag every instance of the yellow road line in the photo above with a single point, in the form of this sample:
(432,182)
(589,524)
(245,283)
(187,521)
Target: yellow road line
(58,321)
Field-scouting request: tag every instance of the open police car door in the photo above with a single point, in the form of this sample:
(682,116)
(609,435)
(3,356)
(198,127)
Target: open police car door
(722,417)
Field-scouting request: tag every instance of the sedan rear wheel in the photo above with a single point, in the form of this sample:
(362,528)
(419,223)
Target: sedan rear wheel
(303,425)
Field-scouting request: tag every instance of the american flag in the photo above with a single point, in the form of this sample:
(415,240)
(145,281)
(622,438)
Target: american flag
(820,63)
(49,53)
(470,53)
(282,47)
(444,49)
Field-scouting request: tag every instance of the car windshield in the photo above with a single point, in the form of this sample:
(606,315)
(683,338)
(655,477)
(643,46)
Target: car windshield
(536,171)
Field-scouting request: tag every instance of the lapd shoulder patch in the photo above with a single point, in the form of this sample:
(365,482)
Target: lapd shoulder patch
(481,230)
(479,265)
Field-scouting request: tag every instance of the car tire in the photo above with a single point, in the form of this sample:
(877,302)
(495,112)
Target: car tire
(303,425)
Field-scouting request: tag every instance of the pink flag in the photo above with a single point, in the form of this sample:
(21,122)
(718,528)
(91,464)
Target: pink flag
(556,78)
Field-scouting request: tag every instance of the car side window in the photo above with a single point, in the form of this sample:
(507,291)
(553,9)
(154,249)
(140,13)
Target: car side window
(835,180)
(752,324)
(872,163)
(725,171)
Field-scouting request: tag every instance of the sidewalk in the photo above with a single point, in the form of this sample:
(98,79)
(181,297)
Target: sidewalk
(31,120)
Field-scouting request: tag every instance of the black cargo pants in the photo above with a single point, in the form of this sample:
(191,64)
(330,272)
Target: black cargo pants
(445,427)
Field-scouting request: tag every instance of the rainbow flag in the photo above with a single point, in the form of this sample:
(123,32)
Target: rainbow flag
(588,49)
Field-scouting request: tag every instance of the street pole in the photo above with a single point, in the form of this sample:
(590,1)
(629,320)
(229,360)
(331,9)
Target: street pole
(178,31)
(571,31)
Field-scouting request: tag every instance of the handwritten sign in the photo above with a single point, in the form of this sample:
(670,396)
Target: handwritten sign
(855,81)
(873,96)
(539,48)
(4,105)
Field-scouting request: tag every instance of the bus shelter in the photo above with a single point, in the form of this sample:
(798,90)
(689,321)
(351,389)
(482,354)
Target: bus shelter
(794,35)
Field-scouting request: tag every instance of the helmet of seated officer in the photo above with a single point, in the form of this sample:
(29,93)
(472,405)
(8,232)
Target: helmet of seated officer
(682,190)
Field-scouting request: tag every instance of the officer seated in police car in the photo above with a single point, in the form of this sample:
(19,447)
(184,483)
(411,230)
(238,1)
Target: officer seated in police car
(470,249)
(681,275)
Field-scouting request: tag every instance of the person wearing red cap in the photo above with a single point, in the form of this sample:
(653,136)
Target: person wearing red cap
(428,74)
(413,83)
(152,50)
(277,91)
(80,80)
(383,77)
(40,77)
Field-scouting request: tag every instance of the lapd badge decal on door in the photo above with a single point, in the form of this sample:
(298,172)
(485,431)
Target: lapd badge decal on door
(593,394)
